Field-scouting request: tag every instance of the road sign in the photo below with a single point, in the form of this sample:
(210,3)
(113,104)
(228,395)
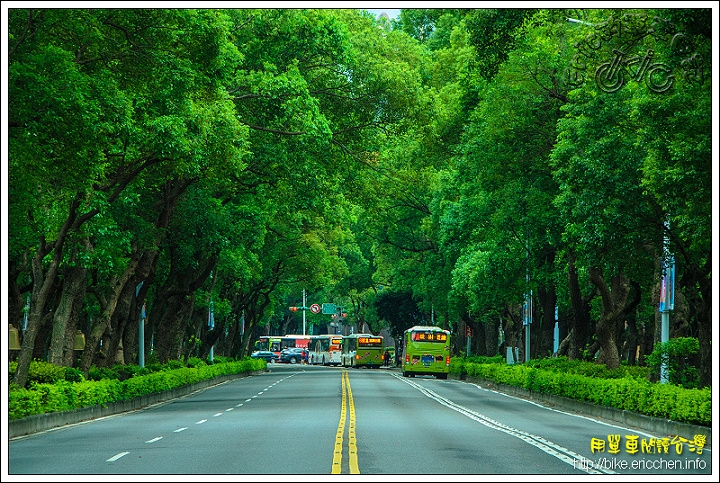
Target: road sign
(315,308)
(329,309)
(468,331)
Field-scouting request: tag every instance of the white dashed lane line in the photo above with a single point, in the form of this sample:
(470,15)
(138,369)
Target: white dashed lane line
(120,455)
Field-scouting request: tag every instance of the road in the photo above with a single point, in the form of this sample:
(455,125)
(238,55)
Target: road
(311,420)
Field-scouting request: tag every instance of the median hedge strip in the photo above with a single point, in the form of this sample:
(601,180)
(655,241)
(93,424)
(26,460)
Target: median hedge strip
(64,395)
(631,391)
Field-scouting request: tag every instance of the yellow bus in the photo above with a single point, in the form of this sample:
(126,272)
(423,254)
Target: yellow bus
(426,351)
(362,350)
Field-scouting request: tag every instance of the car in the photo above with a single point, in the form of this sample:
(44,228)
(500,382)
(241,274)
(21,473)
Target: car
(293,355)
(269,356)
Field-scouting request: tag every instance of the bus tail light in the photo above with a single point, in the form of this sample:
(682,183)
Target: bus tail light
(407,358)
(447,361)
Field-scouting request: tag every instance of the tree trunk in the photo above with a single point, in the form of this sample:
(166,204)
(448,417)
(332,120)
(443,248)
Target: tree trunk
(631,344)
(546,321)
(172,325)
(42,286)
(108,303)
(614,299)
(565,344)
(579,319)
(232,341)
(647,341)
(74,286)
(15,298)
(177,301)
(705,333)
(479,336)
(491,337)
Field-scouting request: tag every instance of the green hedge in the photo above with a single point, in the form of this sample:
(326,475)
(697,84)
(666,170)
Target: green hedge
(41,372)
(629,392)
(42,397)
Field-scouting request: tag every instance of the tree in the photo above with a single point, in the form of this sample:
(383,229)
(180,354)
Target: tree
(605,157)
(82,137)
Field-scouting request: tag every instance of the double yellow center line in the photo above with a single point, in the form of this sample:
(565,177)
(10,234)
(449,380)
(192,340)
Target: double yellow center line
(348,408)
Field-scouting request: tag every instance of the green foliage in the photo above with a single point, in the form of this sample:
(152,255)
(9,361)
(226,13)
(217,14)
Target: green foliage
(457,366)
(680,355)
(23,402)
(196,362)
(65,395)
(219,360)
(444,160)
(154,366)
(622,389)
(494,33)
(73,375)
(123,372)
(175,364)
(98,373)
(40,372)
(589,369)
(486,359)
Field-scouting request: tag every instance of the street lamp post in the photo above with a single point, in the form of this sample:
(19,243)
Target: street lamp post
(667,299)
(211,324)
(527,306)
(141,328)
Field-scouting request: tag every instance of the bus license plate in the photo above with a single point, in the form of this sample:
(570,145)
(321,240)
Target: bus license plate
(427,359)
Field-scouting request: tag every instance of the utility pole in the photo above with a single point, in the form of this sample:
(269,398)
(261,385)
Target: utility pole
(304,306)
(556,333)
(211,324)
(667,297)
(211,317)
(141,328)
(527,319)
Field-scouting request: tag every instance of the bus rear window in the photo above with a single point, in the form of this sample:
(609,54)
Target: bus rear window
(429,337)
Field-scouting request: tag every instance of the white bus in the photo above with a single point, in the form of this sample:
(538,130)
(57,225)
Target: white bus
(276,343)
(326,350)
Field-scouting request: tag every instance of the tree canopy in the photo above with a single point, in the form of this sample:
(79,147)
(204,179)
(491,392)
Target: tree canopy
(435,168)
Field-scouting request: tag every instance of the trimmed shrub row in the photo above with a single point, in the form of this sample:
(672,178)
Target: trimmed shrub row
(63,395)
(629,392)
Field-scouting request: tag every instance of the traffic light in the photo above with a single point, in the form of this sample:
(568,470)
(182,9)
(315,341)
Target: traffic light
(293,309)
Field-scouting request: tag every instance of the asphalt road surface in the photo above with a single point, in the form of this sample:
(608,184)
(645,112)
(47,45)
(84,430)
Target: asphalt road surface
(310,420)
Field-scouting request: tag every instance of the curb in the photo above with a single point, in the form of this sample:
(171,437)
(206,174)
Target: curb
(631,419)
(43,422)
